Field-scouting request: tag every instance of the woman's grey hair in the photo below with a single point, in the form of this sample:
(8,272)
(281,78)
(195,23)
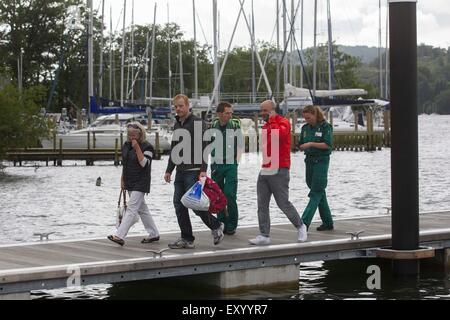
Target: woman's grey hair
(138,128)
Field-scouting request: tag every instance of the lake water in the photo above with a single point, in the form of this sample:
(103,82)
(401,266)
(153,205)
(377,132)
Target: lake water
(65,200)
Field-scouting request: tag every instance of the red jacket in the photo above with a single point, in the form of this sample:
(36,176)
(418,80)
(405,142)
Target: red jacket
(277,128)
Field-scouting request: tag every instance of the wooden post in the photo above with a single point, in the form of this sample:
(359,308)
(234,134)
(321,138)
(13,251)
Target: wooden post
(255,119)
(369,120)
(330,115)
(116,153)
(60,153)
(79,120)
(93,139)
(54,140)
(157,151)
(387,127)
(89,141)
(149,120)
(121,139)
(355,116)
(116,119)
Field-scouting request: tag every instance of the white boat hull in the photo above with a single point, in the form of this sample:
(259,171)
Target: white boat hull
(102,141)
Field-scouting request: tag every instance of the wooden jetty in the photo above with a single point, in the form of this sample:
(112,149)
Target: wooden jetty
(231,264)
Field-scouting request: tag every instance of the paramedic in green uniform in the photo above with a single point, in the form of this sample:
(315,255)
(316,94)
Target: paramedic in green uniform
(224,164)
(316,140)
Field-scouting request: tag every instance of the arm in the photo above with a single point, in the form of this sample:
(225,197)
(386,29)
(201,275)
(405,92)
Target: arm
(170,164)
(204,166)
(138,150)
(148,156)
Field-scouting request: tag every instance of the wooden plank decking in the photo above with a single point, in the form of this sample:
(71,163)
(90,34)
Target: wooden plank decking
(45,265)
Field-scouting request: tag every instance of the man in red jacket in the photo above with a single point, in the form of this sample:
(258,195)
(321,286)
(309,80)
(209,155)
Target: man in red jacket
(274,176)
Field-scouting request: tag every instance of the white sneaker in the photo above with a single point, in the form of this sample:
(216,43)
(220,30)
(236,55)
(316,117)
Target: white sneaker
(302,233)
(260,241)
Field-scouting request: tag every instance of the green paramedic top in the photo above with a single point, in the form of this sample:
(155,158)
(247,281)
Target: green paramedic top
(321,132)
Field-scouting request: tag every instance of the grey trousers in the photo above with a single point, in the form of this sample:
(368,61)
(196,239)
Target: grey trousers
(278,185)
(137,206)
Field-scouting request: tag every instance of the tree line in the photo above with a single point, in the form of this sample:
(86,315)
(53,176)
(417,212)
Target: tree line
(39,38)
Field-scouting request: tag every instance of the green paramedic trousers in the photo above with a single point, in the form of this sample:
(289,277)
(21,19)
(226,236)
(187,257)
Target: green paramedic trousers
(225,175)
(316,179)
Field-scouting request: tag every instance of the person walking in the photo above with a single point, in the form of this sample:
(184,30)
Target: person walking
(274,176)
(190,164)
(137,155)
(224,162)
(316,140)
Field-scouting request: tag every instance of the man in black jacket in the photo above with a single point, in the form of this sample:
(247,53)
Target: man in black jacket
(187,157)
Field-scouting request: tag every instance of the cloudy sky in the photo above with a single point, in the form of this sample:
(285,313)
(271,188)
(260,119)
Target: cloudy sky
(355,22)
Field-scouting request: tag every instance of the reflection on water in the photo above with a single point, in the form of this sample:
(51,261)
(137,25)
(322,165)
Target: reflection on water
(65,200)
(334,280)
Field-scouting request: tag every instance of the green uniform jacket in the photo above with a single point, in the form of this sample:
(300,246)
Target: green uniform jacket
(231,144)
(321,132)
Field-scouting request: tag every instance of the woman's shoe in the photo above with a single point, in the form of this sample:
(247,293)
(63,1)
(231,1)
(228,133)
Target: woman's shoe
(323,227)
(150,240)
(116,240)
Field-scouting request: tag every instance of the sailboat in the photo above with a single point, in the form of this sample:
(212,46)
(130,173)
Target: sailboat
(340,102)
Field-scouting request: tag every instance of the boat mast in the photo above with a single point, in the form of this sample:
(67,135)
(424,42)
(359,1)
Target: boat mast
(168,52)
(386,95)
(100,78)
(132,51)
(315,49)
(123,54)
(380,58)
(285,62)
(180,52)
(216,62)
(301,43)
(291,60)
(110,53)
(146,66)
(277,83)
(253,56)
(90,57)
(330,49)
(195,53)
(153,53)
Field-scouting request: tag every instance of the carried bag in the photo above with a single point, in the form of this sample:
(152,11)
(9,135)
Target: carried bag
(217,199)
(195,198)
(122,209)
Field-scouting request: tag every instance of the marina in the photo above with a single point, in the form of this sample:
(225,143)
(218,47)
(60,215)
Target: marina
(366,132)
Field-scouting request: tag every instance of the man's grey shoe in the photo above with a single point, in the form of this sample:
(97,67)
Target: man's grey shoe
(182,244)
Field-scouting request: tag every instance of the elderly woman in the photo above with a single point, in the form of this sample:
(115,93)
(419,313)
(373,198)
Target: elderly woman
(316,140)
(137,156)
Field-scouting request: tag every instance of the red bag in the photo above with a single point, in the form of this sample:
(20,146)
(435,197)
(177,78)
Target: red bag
(217,199)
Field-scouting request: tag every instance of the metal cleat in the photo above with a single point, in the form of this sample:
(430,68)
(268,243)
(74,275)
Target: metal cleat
(43,235)
(157,253)
(355,235)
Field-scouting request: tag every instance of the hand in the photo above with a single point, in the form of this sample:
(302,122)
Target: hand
(305,146)
(134,143)
(202,175)
(167,177)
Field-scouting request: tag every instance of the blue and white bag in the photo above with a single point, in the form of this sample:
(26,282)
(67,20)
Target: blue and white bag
(195,198)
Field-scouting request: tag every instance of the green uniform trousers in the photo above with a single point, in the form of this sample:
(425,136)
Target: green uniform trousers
(225,175)
(316,179)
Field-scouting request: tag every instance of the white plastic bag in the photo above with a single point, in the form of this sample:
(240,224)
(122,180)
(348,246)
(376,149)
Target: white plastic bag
(122,210)
(195,198)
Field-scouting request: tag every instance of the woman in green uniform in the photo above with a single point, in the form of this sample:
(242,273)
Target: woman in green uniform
(316,140)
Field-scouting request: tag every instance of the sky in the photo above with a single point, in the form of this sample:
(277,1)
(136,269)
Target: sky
(355,22)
